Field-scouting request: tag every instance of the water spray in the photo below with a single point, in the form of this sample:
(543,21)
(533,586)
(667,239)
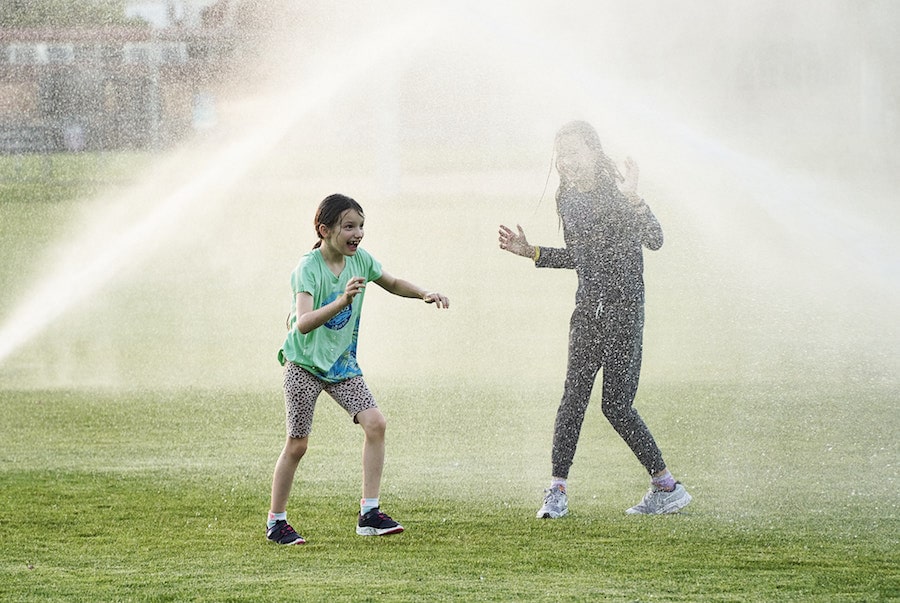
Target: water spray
(131,239)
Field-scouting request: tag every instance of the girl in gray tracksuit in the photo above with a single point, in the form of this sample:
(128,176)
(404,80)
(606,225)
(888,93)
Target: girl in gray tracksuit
(605,225)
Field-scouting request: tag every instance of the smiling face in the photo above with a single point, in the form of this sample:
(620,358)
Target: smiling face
(346,234)
(575,161)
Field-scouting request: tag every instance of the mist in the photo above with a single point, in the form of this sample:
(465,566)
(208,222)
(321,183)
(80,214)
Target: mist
(767,137)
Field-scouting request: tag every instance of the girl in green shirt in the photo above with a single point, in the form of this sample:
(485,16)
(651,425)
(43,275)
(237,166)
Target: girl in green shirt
(319,354)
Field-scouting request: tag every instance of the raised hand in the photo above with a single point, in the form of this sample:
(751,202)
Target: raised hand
(629,186)
(515,242)
(354,287)
(632,171)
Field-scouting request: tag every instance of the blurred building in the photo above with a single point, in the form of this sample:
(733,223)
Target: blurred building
(144,85)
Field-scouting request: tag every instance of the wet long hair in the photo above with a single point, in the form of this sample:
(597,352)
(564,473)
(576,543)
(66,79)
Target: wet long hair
(604,168)
(606,171)
(330,210)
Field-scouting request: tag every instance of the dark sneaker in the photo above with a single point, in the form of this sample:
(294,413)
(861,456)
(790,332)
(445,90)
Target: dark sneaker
(283,533)
(376,523)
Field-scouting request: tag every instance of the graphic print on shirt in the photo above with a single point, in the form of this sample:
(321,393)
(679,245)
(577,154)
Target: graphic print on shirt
(340,320)
(346,366)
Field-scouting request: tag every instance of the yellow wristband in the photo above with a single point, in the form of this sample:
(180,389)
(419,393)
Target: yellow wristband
(537,253)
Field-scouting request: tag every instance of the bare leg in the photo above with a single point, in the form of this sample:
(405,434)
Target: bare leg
(373,424)
(285,468)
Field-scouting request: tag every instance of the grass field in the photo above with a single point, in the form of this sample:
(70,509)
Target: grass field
(111,496)
(139,431)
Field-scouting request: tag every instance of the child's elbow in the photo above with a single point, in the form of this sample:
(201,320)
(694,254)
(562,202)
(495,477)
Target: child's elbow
(654,241)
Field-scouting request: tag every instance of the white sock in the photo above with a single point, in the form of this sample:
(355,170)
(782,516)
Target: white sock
(558,481)
(367,504)
(273,517)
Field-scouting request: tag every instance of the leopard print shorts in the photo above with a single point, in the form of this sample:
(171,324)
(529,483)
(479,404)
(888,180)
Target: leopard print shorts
(302,389)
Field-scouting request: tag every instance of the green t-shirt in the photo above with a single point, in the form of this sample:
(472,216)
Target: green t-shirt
(329,351)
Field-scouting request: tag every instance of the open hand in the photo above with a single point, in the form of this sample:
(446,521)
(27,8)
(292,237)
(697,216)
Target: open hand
(439,300)
(631,176)
(515,242)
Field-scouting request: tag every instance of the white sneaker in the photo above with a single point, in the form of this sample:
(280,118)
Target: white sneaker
(659,502)
(556,503)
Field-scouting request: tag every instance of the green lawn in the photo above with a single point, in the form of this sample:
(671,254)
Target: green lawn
(161,496)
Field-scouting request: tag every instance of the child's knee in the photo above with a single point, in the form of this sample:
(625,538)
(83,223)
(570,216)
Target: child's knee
(373,422)
(296,447)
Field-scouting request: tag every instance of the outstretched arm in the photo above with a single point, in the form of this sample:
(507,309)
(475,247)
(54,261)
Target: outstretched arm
(543,257)
(404,288)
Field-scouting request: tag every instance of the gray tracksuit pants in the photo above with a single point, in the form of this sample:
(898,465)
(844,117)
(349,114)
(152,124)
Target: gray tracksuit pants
(607,337)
